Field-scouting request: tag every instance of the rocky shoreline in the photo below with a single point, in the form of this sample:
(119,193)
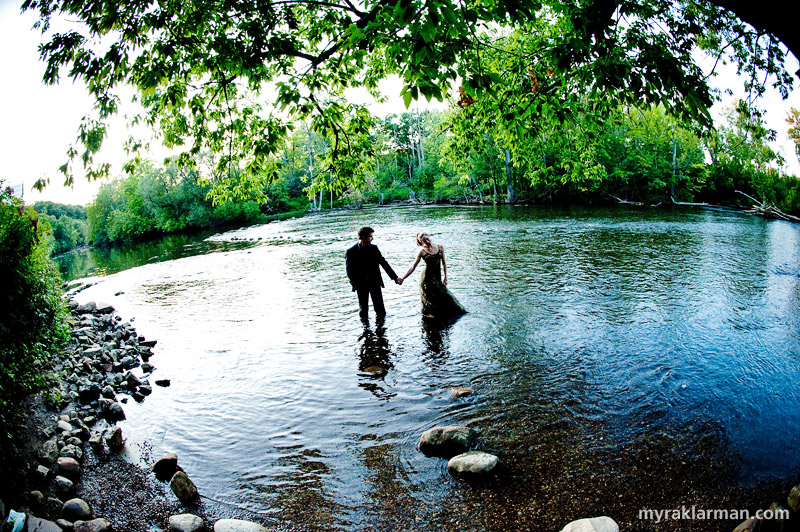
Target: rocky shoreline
(75,479)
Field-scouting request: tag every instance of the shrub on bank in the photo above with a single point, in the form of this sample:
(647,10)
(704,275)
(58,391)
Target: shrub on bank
(32,311)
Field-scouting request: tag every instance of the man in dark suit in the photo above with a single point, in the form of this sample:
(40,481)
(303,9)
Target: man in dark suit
(362,261)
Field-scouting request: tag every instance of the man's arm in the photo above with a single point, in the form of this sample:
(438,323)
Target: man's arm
(389,270)
(350,267)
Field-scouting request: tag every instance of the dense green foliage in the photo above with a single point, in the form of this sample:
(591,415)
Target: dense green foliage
(641,155)
(32,311)
(68,223)
(165,200)
(234,77)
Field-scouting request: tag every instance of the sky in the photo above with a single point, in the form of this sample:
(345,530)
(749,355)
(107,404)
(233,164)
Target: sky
(40,122)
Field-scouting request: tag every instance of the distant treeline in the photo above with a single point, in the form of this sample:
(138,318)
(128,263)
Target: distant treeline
(639,154)
(68,224)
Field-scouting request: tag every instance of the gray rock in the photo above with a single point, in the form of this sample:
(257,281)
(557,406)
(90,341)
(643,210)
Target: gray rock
(132,381)
(114,439)
(95,525)
(237,525)
(473,463)
(104,308)
(86,308)
(166,466)
(2,509)
(34,524)
(147,368)
(96,441)
(64,486)
(76,510)
(183,487)
(129,362)
(794,499)
(36,498)
(64,426)
(111,410)
(53,505)
(593,524)
(186,523)
(76,442)
(164,383)
(93,351)
(446,441)
(90,393)
(41,472)
(49,452)
(65,525)
(72,451)
(68,467)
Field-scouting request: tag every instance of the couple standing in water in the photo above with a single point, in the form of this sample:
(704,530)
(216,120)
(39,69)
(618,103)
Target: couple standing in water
(363,261)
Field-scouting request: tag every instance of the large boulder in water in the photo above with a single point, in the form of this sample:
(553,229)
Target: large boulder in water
(446,441)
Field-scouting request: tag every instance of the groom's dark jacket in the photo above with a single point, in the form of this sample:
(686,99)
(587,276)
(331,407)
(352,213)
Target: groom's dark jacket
(362,266)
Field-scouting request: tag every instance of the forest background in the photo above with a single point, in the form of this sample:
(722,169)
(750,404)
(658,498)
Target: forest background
(638,154)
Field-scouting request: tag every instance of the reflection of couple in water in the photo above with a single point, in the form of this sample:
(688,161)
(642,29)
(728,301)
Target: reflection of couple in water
(363,261)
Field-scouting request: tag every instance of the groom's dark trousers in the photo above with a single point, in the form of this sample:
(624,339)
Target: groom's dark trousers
(363,270)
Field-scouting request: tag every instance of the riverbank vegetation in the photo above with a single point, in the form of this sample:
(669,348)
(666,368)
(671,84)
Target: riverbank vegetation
(32,311)
(641,155)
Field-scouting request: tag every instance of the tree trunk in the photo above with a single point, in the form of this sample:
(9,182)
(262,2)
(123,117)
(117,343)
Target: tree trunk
(421,151)
(509,178)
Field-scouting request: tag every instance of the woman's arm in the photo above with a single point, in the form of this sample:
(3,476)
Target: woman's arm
(444,265)
(414,265)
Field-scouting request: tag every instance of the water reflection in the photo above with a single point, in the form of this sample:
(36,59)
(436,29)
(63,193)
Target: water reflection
(374,359)
(436,339)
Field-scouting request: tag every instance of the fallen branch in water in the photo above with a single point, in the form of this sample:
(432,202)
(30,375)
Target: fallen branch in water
(690,203)
(768,210)
(626,202)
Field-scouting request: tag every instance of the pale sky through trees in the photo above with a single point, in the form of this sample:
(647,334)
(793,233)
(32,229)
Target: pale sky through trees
(40,122)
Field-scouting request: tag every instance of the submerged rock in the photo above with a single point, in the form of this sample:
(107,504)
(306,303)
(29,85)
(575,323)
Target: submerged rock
(446,441)
(166,466)
(459,391)
(593,524)
(183,487)
(473,463)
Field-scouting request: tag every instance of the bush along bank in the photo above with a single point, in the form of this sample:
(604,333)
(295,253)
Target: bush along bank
(105,366)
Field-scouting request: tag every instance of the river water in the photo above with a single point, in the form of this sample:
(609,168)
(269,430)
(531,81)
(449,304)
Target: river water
(620,358)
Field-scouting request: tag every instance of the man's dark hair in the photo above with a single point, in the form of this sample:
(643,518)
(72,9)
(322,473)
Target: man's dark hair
(364,232)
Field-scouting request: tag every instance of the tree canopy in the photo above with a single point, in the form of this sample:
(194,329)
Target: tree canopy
(233,77)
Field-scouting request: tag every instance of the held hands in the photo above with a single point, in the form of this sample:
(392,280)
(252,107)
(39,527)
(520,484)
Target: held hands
(399,280)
